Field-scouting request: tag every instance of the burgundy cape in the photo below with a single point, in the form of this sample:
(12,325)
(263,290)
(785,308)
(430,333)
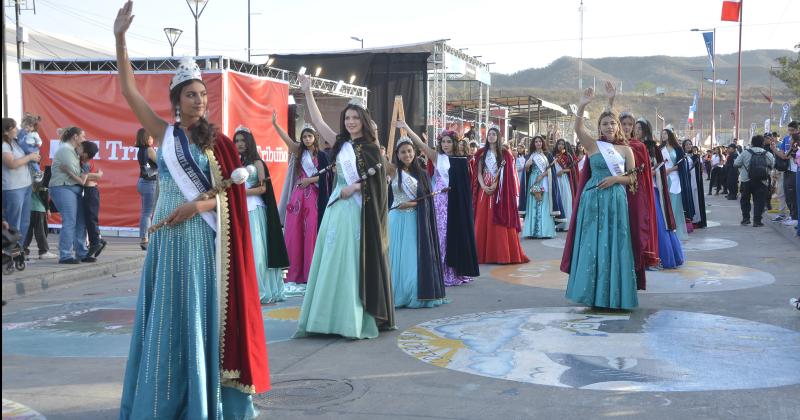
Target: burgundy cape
(642,216)
(504,212)
(243,351)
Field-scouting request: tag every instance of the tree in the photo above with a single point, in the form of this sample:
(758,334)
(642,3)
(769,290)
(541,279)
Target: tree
(789,74)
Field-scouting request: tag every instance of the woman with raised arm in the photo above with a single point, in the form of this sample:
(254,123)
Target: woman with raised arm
(198,349)
(538,221)
(309,183)
(495,187)
(670,251)
(454,214)
(413,241)
(598,254)
(641,207)
(269,248)
(349,290)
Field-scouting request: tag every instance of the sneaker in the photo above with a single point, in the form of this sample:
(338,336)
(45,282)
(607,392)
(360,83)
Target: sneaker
(779,218)
(47,256)
(69,261)
(789,222)
(795,302)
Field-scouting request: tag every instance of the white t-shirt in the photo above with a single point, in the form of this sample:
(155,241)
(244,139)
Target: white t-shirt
(15,178)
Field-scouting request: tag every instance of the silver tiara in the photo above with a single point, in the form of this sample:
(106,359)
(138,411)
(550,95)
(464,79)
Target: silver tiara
(357,102)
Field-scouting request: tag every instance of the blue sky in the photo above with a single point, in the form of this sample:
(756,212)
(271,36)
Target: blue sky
(514,34)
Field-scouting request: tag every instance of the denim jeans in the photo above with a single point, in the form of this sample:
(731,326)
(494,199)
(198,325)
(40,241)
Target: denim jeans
(69,203)
(17,209)
(147,189)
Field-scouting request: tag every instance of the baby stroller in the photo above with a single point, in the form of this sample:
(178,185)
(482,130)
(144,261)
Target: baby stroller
(13,257)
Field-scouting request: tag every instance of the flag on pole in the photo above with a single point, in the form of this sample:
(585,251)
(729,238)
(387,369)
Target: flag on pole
(731,10)
(708,37)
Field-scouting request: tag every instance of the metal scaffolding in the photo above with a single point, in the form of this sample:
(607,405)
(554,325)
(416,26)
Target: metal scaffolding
(212,63)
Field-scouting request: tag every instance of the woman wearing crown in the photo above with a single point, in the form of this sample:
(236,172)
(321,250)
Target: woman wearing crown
(495,187)
(349,290)
(454,213)
(305,195)
(198,348)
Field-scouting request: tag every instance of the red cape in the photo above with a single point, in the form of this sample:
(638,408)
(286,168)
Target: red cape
(243,351)
(505,212)
(642,215)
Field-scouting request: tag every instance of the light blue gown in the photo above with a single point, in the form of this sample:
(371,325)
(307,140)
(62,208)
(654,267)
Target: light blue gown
(403,253)
(332,304)
(270,280)
(538,221)
(677,205)
(601,271)
(173,365)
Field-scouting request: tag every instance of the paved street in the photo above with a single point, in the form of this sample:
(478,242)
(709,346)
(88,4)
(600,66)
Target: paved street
(715,339)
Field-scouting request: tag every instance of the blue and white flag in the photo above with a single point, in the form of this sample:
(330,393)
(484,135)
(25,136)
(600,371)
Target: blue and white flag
(708,37)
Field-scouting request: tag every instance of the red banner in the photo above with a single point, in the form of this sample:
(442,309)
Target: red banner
(94,103)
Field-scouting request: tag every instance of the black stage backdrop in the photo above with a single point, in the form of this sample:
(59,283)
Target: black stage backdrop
(384,74)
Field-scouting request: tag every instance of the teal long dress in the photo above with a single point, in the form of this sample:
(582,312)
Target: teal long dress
(332,304)
(601,270)
(677,205)
(270,280)
(173,365)
(403,253)
(538,221)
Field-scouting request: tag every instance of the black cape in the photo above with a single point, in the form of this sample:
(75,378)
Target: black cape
(461,252)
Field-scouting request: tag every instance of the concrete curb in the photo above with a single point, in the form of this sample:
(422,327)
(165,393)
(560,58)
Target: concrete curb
(15,288)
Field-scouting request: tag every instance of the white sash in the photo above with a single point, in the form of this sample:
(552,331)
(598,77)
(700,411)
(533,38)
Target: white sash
(491,163)
(308,164)
(410,186)
(179,164)
(346,159)
(674,177)
(443,168)
(614,160)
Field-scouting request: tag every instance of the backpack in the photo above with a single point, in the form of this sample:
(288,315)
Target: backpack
(758,169)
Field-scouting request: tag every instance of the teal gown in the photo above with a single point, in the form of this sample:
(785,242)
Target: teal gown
(677,205)
(332,304)
(538,221)
(173,365)
(270,280)
(601,271)
(403,253)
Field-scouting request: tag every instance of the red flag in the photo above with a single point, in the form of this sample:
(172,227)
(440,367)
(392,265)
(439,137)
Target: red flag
(730,10)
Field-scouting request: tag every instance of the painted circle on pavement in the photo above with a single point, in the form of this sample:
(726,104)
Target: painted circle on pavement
(692,277)
(573,347)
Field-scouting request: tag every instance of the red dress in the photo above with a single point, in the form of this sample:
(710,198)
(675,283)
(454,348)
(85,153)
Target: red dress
(497,223)
(642,216)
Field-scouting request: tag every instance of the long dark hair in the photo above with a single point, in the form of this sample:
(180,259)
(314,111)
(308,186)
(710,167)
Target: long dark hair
(498,148)
(203,133)
(8,124)
(250,154)
(298,160)
(344,135)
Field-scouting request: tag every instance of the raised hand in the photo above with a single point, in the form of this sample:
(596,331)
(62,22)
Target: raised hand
(124,19)
(588,96)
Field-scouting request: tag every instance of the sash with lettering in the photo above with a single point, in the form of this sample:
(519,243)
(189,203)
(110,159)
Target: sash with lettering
(184,170)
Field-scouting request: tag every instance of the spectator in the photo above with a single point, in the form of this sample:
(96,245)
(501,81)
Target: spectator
(65,190)
(148,183)
(38,226)
(754,179)
(30,142)
(787,150)
(91,198)
(16,180)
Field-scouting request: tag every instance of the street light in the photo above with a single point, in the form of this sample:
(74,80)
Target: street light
(196,12)
(172,37)
(357,39)
(713,78)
